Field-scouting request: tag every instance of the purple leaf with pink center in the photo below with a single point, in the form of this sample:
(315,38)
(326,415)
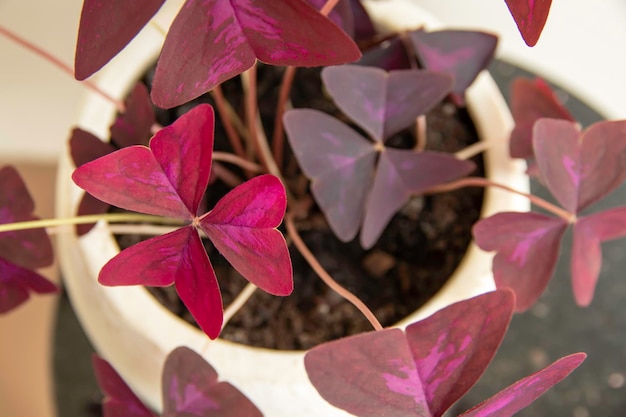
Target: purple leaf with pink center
(119,400)
(219,39)
(191,388)
(589,232)
(460,53)
(421,372)
(106,27)
(527,246)
(350,188)
(530,17)
(531,100)
(169,179)
(580,168)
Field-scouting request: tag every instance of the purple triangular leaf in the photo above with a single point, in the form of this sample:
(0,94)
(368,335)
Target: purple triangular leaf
(242,226)
(418,374)
(363,26)
(580,168)
(154,262)
(381,102)
(133,127)
(105,29)
(167,179)
(191,388)
(530,17)
(530,101)
(340,163)
(460,53)
(522,393)
(589,232)
(368,375)
(119,400)
(399,175)
(16,284)
(89,205)
(85,147)
(27,248)
(453,347)
(218,39)
(197,287)
(390,55)
(527,248)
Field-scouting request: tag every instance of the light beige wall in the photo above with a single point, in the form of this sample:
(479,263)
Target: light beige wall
(26,333)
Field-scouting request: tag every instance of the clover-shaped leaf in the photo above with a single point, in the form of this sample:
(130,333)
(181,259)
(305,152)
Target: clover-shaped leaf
(460,53)
(579,169)
(530,17)
(219,39)
(424,371)
(169,179)
(347,182)
(190,388)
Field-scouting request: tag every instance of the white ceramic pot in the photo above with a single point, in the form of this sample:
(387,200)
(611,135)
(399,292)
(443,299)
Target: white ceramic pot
(135,333)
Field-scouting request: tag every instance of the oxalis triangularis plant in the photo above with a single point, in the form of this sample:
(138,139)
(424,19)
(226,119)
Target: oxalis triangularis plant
(358,183)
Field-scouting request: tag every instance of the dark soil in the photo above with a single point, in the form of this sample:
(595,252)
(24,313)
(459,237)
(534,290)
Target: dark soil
(418,251)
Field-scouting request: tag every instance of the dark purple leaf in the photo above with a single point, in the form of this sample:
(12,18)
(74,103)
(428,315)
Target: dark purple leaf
(381,102)
(530,17)
(363,26)
(521,394)
(218,39)
(460,53)
(527,248)
(391,55)
(326,150)
(134,126)
(580,168)
(418,374)
(106,27)
(530,101)
(191,388)
(30,248)
(119,400)
(341,14)
(399,175)
(155,180)
(589,232)
(242,226)
(16,284)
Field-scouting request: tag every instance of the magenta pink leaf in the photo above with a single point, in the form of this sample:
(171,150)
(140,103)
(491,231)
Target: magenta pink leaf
(218,39)
(134,126)
(527,248)
(382,102)
(30,248)
(530,101)
(580,168)
(589,232)
(242,226)
(460,53)
(191,388)
(399,175)
(327,149)
(418,374)
(16,284)
(530,17)
(119,400)
(105,29)
(167,179)
(522,393)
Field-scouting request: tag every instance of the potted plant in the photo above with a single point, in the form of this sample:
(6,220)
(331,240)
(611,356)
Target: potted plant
(179,169)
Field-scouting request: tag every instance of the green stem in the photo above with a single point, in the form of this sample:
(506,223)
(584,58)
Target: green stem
(92,218)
